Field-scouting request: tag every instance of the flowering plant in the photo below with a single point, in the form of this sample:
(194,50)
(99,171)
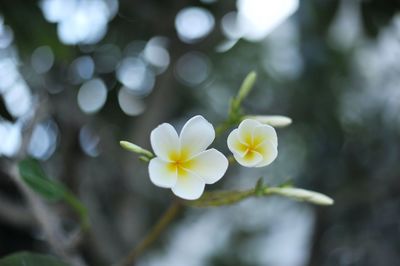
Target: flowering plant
(185,165)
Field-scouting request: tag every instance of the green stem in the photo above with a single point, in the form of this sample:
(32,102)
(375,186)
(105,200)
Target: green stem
(220,198)
(153,235)
(222,128)
(231,159)
(79,208)
(231,121)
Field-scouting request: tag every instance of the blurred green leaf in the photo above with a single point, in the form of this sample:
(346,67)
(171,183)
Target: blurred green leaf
(34,176)
(30,259)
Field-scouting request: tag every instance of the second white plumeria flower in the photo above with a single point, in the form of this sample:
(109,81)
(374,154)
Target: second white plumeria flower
(253,144)
(183,163)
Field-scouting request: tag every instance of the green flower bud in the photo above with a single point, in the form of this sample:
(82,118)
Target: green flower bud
(136,149)
(246,87)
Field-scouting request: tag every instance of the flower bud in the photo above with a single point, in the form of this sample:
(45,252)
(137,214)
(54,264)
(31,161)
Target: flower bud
(302,195)
(247,85)
(272,120)
(135,148)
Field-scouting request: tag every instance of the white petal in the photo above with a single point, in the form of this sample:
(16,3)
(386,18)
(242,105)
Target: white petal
(235,145)
(164,141)
(189,187)
(196,135)
(263,133)
(162,174)
(246,129)
(251,159)
(269,152)
(210,165)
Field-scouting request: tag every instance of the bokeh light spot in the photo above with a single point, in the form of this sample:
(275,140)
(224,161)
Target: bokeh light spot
(11,138)
(193,24)
(92,96)
(8,74)
(43,140)
(133,73)
(82,21)
(255,19)
(192,69)
(18,99)
(6,36)
(156,54)
(89,141)
(129,103)
(57,10)
(42,59)
(230,26)
(83,67)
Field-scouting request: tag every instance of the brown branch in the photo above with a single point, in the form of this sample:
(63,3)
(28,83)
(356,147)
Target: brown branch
(14,213)
(168,216)
(49,223)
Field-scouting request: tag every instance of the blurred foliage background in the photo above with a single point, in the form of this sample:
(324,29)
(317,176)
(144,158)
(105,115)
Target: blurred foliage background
(77,76)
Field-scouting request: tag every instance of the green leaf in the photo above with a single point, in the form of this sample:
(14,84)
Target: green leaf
(30,259)
(33,175)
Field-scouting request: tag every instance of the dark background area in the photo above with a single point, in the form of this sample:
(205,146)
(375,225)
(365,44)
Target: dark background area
(70,92)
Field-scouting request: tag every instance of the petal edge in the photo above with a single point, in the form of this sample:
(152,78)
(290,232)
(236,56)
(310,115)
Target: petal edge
(210,165)
(189,187)
(164,141)
(196,135)
(161,175)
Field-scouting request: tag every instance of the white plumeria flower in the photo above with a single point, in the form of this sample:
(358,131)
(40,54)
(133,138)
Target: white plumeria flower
(253,144)
(183,163)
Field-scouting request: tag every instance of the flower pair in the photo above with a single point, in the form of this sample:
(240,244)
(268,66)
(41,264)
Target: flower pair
(185,165)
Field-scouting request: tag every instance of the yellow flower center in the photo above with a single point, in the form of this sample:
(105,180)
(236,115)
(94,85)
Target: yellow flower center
(252,148)
(253,145)
(180,163)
